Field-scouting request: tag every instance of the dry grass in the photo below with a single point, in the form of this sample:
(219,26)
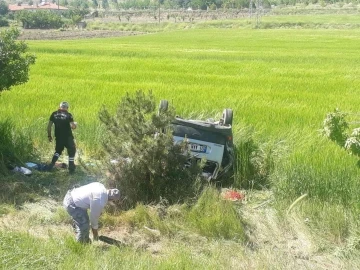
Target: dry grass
(273,241)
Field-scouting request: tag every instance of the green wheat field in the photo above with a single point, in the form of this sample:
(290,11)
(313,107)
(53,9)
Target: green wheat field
(281,83)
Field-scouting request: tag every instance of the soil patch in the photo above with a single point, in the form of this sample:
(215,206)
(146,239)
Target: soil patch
(37,34)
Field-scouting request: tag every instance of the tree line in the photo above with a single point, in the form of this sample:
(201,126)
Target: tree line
(45,19)
(193,4)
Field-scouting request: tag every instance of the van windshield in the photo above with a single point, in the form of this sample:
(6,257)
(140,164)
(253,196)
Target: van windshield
(198,134)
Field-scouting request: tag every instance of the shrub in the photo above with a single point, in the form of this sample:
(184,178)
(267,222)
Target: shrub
(3,22)
(42,19)
(335,128)
(4,8)
(147,165)
(15,147)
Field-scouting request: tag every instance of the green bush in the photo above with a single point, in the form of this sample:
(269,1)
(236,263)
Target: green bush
(147,166)
(42,19)
(335,128)
(3,21)
(15,148)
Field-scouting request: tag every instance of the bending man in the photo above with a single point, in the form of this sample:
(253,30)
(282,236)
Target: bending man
(93,196)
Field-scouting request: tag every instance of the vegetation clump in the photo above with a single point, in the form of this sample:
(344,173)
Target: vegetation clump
(14,59)
(141,155)
(336,129)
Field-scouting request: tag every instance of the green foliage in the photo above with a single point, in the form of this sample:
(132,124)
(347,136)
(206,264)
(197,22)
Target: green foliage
(138,4)
(283,95)
(3,21)
(352,143)
(15,147)
(254,161)
(76,19)
(213,216)
(335,126)
(149,166)
(4,8)
(78,12)
(6,209)
(105,4)
(331,222)
(80,5)
(64,3)
(14,61)
(94,3)
(42,19)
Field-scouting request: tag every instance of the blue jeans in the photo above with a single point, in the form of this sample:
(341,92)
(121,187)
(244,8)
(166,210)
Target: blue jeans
(80,218)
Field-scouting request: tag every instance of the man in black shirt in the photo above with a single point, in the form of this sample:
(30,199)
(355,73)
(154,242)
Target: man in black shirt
(64,123)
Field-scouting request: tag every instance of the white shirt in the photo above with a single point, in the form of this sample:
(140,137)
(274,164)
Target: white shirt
(92,196)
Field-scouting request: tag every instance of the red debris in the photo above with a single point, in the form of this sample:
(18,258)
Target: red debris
(233,195)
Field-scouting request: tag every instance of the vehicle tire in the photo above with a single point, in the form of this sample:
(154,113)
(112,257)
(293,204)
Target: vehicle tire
(227,117)
(163,106)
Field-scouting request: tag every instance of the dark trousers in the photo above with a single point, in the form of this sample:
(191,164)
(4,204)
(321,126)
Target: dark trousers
(61,144)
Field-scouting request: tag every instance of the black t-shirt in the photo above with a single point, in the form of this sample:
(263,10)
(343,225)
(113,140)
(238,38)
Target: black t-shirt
(62,120)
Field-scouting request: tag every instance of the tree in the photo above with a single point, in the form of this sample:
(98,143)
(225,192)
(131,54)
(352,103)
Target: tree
(80,4)
(14,59)
(4,9)
(95,4)
(147,166)
(105,4)
(42,19)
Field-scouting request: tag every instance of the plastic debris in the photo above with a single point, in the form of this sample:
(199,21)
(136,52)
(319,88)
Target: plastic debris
(22,170)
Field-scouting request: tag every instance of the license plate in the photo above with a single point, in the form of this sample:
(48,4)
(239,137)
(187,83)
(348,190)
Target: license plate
(197,148)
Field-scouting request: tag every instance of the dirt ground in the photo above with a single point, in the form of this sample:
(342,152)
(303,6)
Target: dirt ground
(36,34)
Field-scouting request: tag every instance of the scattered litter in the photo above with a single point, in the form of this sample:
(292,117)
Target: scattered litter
(22,170)
(45,167)
(114,161)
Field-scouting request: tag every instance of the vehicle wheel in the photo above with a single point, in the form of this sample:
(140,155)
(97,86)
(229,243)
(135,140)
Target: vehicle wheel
(163,106)
(227,117)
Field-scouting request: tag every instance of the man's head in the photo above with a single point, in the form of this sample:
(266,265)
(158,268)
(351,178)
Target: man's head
(113,194)
(64,105)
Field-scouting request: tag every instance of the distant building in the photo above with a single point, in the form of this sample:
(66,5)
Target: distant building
(41,6)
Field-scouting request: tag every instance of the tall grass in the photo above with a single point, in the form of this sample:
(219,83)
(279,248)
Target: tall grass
(23,251)
(279,82)
(16,146)
(214,217)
